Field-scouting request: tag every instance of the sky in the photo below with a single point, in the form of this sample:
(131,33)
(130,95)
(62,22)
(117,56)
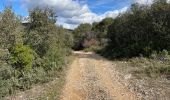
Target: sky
(72,13)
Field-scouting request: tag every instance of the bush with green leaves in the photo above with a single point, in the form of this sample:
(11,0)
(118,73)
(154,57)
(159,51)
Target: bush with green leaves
(22,57)
(82,33)
(163,56)
(141,30)
(11,30)
(156,66)
(6,83)
(87,35)
(49,41)
(31,55)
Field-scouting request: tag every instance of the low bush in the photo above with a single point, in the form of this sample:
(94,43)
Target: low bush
(21,57)
(156,66)
(93,49)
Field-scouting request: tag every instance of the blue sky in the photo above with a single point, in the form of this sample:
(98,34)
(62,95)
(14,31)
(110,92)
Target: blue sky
(101,6)
(71,13)
(16,5)
(97,6)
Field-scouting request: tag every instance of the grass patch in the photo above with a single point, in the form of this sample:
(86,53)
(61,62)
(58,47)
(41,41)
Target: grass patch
(154,66)
(150,67)
(53,90)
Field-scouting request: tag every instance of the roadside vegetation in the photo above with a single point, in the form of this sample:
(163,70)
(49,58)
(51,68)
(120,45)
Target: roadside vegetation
(141,35)
(33,53)
(37,52)
(138,43)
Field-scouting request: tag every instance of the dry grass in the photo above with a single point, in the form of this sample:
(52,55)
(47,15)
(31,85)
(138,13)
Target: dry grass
(148,83)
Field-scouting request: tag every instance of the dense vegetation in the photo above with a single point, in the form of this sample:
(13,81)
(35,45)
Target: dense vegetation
(30,54)
(142,31)
(93,36)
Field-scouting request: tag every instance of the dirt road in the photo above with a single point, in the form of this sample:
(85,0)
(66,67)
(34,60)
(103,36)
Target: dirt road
(90,78)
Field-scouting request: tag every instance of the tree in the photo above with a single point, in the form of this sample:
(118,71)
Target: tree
(47,39)
(161,24)
(81,33)
(42,27)
(11,30)
(101,29)
(141,30)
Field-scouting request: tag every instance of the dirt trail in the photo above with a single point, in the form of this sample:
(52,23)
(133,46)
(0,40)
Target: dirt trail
(90,78)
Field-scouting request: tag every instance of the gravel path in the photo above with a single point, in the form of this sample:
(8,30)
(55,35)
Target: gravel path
(90,78)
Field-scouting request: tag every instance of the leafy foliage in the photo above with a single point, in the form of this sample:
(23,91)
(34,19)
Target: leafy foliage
(50,42)
(81,33)
(31,54)
(87,36)
(140,31)
(42,28)
(11,31)
(21,57)
(156,66)
(101,28)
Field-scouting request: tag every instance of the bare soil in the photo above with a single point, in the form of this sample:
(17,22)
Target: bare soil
(92,78)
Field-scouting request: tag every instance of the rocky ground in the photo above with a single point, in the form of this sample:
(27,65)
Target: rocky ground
(91,78)
(146,88)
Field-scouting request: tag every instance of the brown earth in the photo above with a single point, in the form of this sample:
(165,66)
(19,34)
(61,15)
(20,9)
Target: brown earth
(91,77)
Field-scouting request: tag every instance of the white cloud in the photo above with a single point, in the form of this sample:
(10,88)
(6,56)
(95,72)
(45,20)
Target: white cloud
(143,1)
(148,2)
(71,13)
(90,17)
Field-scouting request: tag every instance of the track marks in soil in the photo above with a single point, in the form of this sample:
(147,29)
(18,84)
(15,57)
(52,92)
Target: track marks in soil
(90,78)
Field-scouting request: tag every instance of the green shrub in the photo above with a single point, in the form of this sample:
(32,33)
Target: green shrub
(40,75)
(6,83)
(151,67)
(93,49)
(141,30)
(21,57)
(161,56)
(55,58)
(20,66)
